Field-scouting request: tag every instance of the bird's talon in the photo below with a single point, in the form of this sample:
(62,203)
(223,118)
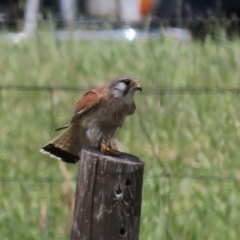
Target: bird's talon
(109,151)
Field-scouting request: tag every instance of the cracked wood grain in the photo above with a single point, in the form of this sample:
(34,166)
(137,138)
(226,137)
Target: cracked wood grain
(108,197)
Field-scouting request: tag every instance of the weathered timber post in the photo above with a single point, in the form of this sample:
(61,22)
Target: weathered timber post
(108,197)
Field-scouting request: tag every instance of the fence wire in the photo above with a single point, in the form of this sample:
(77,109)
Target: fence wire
(118,22)
(165,174)
(147,89)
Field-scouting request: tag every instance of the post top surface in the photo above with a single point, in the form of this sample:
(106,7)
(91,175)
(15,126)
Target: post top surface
(124,157)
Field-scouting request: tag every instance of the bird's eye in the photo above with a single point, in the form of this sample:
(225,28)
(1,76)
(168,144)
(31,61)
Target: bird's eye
(127,82)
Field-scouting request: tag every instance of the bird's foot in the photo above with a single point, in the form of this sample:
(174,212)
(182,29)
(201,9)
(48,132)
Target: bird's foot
(108,150)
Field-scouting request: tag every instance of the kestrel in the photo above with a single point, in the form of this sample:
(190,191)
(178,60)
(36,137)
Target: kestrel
(97,117)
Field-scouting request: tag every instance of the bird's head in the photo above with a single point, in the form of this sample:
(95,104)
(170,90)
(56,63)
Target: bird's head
(124,86)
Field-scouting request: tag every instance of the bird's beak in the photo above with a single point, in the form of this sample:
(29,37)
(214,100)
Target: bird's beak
(137,86)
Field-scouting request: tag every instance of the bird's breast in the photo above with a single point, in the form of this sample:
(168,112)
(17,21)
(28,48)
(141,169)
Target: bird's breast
(104,120)
(94,135)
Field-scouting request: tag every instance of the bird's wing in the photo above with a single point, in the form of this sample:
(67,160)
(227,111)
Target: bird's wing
(89,100)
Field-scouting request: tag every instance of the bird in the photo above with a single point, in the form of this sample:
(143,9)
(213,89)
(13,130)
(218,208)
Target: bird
(97,117)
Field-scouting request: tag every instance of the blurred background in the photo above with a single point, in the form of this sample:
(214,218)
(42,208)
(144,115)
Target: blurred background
(186,129)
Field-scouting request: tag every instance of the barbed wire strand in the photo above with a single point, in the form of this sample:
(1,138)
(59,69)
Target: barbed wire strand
(147,90)
(147,177)
(165,173)
(160,20)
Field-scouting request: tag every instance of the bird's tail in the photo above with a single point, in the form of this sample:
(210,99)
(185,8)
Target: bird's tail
(66,146)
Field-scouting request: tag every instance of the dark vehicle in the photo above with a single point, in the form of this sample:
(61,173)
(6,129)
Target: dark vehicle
(200,16)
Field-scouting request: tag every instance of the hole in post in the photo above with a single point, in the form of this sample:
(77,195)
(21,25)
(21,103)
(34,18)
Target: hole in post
(119,192)
(123,232)
(128,182)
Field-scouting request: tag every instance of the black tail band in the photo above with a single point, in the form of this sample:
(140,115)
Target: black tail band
(58,152)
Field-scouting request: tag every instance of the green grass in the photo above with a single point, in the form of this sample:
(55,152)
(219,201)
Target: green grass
(190,134)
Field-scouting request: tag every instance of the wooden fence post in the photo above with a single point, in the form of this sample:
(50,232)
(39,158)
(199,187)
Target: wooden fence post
(108,197)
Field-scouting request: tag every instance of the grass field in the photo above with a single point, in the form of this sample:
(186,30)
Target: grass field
(183,135)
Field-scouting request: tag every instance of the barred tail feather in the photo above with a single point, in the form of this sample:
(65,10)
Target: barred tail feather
(66,146)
